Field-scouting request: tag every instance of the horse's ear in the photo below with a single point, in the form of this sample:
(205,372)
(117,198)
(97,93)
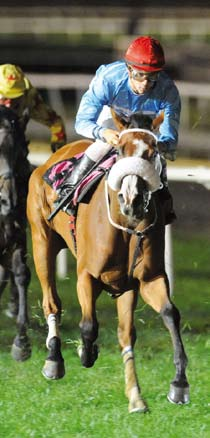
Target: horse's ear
(120,122)
(157,121)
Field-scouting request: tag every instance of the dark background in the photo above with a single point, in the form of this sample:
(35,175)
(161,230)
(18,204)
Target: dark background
(186,58)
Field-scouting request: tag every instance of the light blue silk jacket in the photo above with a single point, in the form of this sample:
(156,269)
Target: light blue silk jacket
(110,88)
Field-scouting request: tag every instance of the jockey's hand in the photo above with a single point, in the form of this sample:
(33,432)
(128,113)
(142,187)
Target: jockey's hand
(168,155)
(56,145)
(111,136)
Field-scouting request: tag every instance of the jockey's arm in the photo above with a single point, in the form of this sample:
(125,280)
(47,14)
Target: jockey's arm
(92,103)
(42,113)
(168,138)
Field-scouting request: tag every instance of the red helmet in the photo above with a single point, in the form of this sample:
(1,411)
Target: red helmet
(145,53)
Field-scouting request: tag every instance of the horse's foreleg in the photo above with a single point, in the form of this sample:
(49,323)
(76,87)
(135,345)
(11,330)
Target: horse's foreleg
(54,364)
(179,388)
(44,259)
(156,294)
(12,308)
(88,290)
(127,335)
(21,349)
(13,304)
(46,244)
(4,277)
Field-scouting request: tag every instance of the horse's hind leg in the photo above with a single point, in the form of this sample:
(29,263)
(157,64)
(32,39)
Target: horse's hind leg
(156,294)
(127,335)
(21,349)
(88,290)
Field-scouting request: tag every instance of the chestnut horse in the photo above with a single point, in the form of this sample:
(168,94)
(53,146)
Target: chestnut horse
(120,249)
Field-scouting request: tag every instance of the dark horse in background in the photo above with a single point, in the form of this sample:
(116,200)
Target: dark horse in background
(120,244)
(13,241)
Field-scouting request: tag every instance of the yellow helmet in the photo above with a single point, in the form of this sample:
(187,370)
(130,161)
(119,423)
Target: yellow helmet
(12,81)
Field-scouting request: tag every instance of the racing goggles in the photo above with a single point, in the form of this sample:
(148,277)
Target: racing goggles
(141,76)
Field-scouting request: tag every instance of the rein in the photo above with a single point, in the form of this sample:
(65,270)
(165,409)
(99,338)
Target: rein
(140,234)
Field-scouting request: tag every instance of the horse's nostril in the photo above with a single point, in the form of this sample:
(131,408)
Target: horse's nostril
(120,197)
(4,201)
(128,211)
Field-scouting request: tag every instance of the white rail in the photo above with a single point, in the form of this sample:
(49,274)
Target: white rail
(81,81)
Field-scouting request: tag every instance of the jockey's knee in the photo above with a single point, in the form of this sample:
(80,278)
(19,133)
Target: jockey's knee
(97,150)
(167,203)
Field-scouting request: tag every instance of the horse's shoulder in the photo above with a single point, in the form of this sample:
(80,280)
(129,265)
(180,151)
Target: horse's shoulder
(35,180)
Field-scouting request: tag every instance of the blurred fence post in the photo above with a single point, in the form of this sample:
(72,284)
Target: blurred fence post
(62,268)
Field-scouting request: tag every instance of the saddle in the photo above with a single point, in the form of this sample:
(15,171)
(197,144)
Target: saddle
(57,174)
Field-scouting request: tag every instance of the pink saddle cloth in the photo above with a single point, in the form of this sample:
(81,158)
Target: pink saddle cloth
(57,174)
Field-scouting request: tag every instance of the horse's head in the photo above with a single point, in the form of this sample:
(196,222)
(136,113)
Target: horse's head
(12,140)
(137,134)
(135,175)
(135,179)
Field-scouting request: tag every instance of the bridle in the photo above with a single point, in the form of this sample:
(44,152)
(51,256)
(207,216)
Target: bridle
(139,234)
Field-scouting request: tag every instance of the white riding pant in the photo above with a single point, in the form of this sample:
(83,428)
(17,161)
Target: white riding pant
(99,148)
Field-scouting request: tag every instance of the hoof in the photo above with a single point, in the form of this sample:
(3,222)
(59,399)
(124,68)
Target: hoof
(179,395)
(21,353)
(10,314)
(136,403)
(87,357)
(53,370)
(140,407)
(12,309)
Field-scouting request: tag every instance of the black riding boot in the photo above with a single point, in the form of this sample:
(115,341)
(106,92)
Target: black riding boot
(167,202)
(75,176)
(165,195)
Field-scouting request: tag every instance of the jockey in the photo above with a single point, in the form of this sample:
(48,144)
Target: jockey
(137,83)
(17,93)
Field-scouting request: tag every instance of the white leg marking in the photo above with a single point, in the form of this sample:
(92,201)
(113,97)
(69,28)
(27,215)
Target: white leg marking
(52,328)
